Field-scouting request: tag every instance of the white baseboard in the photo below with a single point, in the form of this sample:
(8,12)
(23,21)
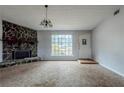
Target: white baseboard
(112,70)
(109,68)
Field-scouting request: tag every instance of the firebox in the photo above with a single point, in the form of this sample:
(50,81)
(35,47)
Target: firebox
(21,54)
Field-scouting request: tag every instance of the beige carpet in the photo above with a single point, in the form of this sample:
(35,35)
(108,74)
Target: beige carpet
(58,74)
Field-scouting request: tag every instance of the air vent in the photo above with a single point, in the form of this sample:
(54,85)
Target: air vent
(116,12)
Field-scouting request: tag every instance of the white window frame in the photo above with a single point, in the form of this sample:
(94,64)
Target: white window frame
(58,40)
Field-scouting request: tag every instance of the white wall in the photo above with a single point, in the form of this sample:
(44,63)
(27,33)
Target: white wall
(44,44)
(108,43)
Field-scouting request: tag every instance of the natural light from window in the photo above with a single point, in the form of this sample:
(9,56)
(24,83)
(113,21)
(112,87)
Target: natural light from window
(61,45)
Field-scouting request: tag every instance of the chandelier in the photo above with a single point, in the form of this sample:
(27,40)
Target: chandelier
(46,23)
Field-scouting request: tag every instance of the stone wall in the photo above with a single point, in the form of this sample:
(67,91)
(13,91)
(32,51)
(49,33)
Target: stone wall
(16,37)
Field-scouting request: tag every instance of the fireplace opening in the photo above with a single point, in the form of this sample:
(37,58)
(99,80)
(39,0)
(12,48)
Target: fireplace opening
(21,54)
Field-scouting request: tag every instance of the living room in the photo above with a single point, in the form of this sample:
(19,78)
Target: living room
(48,43)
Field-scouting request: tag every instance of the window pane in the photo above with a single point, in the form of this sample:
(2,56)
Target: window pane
(61,45)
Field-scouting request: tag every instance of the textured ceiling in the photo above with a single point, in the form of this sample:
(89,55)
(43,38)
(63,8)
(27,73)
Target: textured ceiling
(64,17)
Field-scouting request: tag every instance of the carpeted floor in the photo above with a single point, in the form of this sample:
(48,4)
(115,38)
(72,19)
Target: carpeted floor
(59,74)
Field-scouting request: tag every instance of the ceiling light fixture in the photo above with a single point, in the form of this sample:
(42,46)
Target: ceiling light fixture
(46,23)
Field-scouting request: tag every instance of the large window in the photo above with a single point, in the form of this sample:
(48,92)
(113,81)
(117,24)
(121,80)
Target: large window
(61,45)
